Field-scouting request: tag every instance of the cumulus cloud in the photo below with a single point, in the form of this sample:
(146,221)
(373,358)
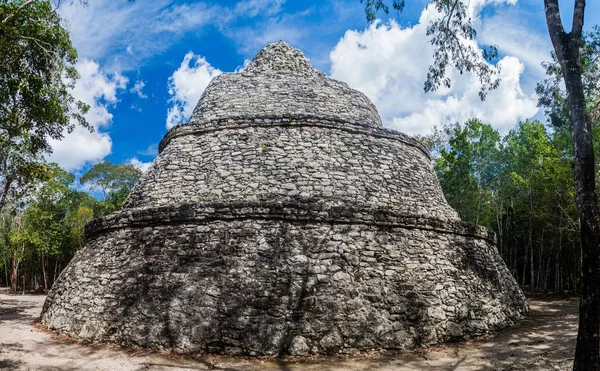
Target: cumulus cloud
(124,34)
(100,92)
(502,109)
(186,85)
(136,163)
(389,64)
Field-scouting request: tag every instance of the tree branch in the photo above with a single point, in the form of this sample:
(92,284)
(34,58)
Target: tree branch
(451,13)
(39,43)
(595,113)
(12,15)
(578,12)
(555,27)
(7,183)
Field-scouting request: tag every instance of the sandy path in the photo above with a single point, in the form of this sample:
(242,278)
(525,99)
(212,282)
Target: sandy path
(543,341)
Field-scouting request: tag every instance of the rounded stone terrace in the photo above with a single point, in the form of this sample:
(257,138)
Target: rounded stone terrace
(283,219)
(281,129)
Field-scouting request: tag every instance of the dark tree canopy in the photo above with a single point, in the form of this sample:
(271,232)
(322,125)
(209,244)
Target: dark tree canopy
(36,105)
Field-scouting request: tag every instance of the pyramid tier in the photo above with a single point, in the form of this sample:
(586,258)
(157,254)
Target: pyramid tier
(275,95)
(262,160)
(259,281)
(281,83)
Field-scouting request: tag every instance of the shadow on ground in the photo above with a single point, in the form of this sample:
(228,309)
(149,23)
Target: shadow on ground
(7,364)
(17,310)
(545,340)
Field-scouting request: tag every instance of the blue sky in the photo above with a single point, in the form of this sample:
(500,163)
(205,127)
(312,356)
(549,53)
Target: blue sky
(144,64)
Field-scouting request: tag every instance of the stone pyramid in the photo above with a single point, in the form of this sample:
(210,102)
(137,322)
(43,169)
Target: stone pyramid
(283,219)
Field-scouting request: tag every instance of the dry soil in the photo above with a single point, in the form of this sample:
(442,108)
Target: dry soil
(543,341)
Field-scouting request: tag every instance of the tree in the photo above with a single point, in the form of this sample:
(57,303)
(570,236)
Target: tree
(533,162)
(466,167)
(37,73)
(114,181)
(47,228)
(19,6)
(448,33)
(552,96)
(567,48)
(42,229)
(435,141)
(520,186)
(76,222)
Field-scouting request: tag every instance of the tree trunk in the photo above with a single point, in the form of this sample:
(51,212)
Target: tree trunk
(14,271)
(525,265)
(6,270)
(541,271)
(588,345)
(556,275)
(5,191)
(530,239)
(566,46)
(55,271)
(499,224)
(45,274)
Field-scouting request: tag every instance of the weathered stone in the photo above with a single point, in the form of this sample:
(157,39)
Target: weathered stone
(299,347)
(283,219)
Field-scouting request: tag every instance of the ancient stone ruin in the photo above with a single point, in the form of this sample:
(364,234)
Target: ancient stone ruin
(284,219)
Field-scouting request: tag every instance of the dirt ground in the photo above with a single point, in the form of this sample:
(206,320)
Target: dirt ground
(543,341)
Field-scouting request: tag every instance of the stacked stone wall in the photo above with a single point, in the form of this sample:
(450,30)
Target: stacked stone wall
(336,162)
(282,219)
(243,279)
(231,96)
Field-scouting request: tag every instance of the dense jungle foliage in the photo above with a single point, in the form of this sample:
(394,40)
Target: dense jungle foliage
(521,184)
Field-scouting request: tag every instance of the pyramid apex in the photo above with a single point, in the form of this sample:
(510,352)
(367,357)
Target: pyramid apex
(280,57)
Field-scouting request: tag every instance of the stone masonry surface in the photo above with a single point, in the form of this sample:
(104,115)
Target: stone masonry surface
(280,82)
(280,162)
(283,219)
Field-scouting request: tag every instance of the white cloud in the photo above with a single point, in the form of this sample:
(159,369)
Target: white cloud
(253,8)
(389,64)
(241,68)
(516,39)
(186,86)
(142,166)
(138,88)
(502,109)
(121,34)
(152,150)
(100,92)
